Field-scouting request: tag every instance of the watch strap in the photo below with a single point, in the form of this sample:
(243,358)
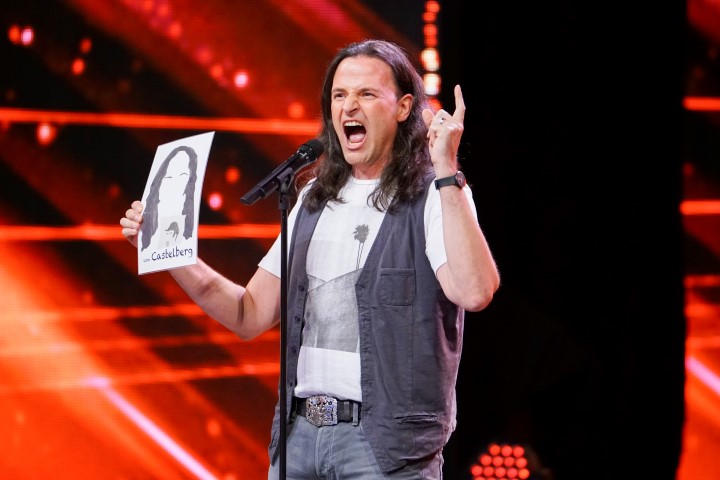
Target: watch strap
(451,180)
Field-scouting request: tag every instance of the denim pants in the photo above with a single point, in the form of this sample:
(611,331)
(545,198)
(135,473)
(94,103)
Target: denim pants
(341,452)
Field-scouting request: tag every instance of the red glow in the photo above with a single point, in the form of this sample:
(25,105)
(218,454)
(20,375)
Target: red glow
(485,459)
(494,449)
(45,134)
(519,451)
(430,30)
(488,471)
(78,66)
(432,6)
(114,190)
(524,473)
(215,201)
(14,34)
(429,17)
(85,46)
(521,462)
(512,473)
(216,71)
(497,461)
(175,30)
(475,470)
(163,10)
(203,55)
(296,110)
(232,175)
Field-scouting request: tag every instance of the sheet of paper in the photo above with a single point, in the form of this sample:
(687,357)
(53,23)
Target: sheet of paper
(169,233)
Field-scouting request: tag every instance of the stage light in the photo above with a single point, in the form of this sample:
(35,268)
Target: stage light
(27,36)
(507,461)
(85,46)
(216,71)
(215,201)
(232,175)
(296,110)
(241,79)
(432,83)
(45,133)
(433,6)
(14,34)
(430,59)
(78,66)
(174,30)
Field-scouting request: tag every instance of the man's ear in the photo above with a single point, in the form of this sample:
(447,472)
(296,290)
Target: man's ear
(404,107)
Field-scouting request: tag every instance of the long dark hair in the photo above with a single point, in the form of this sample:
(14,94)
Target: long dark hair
(150,214)
(406,174)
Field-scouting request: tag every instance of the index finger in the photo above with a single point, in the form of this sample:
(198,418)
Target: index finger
(459,113)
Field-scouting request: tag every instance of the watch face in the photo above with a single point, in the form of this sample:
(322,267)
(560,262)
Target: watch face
(460,179)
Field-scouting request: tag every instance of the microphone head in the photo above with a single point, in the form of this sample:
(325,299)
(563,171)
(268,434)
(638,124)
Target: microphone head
(316,146)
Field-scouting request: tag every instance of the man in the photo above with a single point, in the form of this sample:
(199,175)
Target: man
(383,263)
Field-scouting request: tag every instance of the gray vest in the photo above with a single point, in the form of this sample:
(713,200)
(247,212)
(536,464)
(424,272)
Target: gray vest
(410,339)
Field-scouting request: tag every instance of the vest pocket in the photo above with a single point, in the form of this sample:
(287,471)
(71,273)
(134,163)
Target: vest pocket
(397,286)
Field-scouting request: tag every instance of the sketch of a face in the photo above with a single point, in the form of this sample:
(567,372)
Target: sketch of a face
(171,196)
(172,186)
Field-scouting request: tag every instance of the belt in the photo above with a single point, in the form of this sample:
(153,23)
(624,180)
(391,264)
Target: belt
(322,410)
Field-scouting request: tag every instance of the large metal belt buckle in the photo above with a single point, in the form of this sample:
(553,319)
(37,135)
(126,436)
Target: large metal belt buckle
(321,410)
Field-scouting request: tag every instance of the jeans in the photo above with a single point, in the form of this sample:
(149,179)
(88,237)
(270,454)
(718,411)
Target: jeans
(341,452)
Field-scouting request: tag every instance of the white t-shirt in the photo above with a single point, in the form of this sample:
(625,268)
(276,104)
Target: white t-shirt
(329,361)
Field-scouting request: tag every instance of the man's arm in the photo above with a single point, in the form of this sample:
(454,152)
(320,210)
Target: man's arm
(247,311)
(470,276)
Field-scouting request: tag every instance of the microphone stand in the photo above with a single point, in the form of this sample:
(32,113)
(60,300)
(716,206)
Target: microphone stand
(284,181)
(281,179)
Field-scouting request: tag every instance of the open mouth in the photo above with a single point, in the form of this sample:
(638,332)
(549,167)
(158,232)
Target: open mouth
(354,132)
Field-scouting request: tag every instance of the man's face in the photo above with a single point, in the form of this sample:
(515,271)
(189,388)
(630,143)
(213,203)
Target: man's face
(365,112)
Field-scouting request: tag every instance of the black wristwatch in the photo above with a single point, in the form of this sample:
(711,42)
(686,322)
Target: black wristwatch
(458,180)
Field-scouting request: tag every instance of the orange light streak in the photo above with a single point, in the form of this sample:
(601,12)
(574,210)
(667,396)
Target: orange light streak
(53,383)
(127,344)
(154,431)
(136,120)
(700,207)
(702,103)
(23,233)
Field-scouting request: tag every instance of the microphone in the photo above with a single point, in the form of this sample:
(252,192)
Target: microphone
(305,155)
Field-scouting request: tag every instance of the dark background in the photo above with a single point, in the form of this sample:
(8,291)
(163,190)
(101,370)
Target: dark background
(572,144)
